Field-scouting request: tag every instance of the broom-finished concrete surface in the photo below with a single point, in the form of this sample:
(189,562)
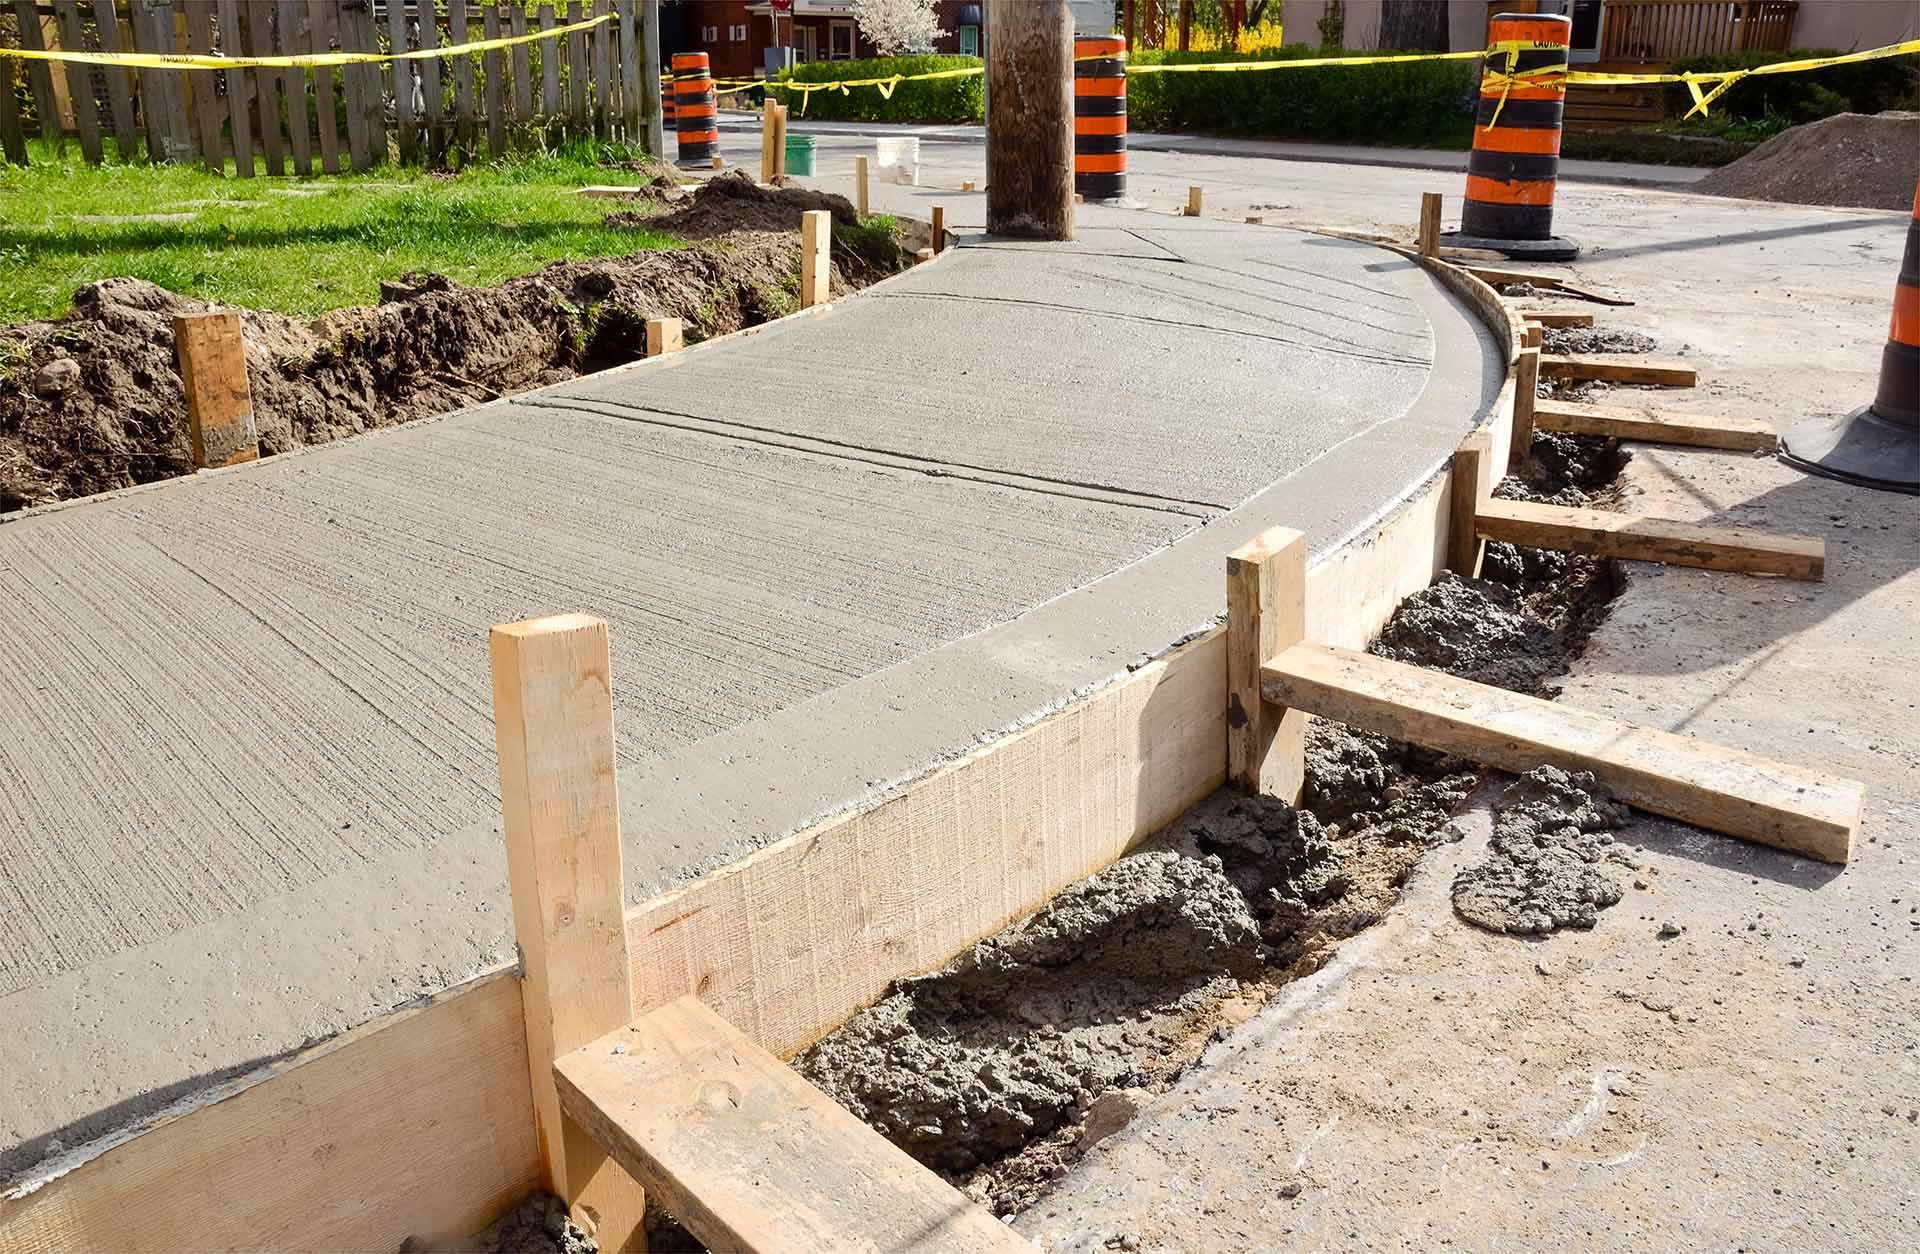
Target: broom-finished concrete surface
(249,782)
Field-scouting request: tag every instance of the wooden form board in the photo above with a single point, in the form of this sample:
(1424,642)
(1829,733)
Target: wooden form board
(1725,790)
(1501,277)
(1602,533)
(1620,368)
(1554,317)
(418,1124)
(1656,426)
(747,1155)
(1266,612)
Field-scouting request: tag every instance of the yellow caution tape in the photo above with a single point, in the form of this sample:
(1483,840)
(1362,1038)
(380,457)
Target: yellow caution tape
(1727,78)
(1505,79)
(214,61)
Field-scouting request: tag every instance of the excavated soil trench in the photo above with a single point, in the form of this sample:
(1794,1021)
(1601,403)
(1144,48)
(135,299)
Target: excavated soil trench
(1001,1069)
(93,401)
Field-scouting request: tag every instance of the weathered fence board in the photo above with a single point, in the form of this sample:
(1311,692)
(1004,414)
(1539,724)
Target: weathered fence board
(584,83)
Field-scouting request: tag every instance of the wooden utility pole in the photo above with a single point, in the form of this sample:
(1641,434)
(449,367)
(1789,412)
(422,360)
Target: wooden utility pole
(651,108)
(1030,119)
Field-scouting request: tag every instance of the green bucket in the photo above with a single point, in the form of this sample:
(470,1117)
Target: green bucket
(800,154)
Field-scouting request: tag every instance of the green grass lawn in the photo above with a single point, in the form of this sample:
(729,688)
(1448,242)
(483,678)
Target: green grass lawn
(296,246)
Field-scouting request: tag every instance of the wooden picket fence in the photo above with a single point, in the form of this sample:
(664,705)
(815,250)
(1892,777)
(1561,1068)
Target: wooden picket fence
(434,111)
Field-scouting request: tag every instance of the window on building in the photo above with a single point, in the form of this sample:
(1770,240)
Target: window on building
(738,34)
(840,41)
(709,34)
(969,41)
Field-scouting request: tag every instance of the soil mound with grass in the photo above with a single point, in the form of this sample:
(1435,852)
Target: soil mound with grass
(1850,160)
(93,401)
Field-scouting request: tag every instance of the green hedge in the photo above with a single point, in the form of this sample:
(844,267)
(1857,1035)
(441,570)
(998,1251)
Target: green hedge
(1421,103)
(1416,103)
(1863,87)
(941,100)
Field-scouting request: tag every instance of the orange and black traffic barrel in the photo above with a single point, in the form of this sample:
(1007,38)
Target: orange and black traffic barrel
(693,111)
(1100,116)
(1516,138)
(668,122)
(1877,446)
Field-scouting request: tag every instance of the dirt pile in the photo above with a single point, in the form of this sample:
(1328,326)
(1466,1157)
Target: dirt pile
(1549,863)
(1851,160)
(1477,630)
(1574,340)
(93,401)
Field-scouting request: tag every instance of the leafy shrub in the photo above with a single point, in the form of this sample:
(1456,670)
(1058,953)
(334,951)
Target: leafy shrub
(939,100)
(1416,102)
(1864,87)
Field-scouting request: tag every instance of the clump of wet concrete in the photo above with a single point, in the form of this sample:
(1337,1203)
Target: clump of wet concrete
(1550,861)
(1478,630)
(538,1225)
(1018,1034)
(1561,469)
(1573,340)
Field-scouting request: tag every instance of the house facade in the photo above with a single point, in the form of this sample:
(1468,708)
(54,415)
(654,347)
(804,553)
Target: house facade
(742,38)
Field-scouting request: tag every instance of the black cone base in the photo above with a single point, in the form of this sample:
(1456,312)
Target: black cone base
(1862,448)
(1554,248)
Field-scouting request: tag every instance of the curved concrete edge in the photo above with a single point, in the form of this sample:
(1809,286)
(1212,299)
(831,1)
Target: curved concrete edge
(1162,605)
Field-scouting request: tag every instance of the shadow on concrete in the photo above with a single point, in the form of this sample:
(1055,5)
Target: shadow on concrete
(1744,237)
(1727,853)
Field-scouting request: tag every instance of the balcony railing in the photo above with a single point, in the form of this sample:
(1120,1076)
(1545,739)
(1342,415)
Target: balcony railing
(1661,31)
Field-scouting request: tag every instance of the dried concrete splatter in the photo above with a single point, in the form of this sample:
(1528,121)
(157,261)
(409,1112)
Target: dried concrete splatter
(1477,630)
(1550,862)
(538,1225)
(1595,340)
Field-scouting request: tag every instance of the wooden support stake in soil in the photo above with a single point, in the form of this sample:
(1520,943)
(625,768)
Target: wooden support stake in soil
(1266,613)
(749,1156)
(1726,790)
(966,185)
(925,254)
(1193,202)
(553,726)
(1429,224)
(1472,476)
(1256,219)
(663,336)
(1532,335)
(719,162)
(816,233)
(1526,387)
(213,371)
(860,200)
(1602,533)
(768,110)
(1656,426)
(1621,368)
(939,229)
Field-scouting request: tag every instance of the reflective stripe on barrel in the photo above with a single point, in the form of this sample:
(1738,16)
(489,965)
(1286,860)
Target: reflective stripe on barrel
(1100,116)
(1897,399)
(694,108)
(1516,132)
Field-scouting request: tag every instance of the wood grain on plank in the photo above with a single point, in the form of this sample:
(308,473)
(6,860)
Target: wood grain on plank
(749,1156)
(1554,317)
(1726,790)
(1266,612)
(1657,426)
(1602,533)
(1620,368)
(1469,484)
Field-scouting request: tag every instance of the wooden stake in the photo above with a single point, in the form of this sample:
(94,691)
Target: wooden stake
(1622,368)
(1472,472)
(1255,219)
(719,162)
(967,185)
(1554,318)
(939,229)
(769,112)
(1429,224)
(1030,119)
(861,200)
(1741,794)
(213,371)
(1526,385)
(1266,613)
(1532,334)
(1657,426)
(663,336)
(925,254)
(779,139)
(1603,533)
(1193,202)
(816,232)
(553,725)
(688,1099)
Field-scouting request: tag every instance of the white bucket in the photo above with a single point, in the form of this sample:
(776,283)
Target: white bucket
(899,160)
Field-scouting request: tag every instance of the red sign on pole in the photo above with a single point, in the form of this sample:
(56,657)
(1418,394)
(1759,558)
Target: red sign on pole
(782,6)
